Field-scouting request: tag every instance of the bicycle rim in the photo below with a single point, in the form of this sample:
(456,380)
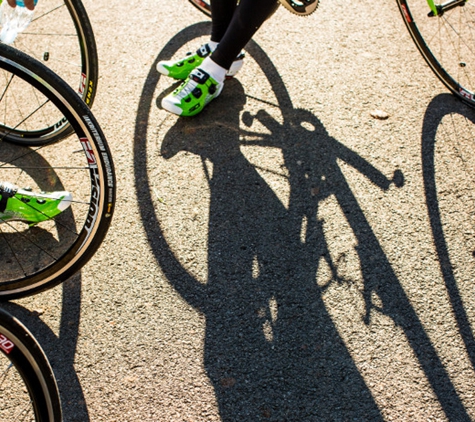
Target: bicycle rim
(39,257)
(61,37)
(202,6)
(29,390)
(447,42)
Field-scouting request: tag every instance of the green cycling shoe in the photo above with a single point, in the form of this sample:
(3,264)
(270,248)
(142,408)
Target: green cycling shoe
(180,69)
(23,205)
(193,94)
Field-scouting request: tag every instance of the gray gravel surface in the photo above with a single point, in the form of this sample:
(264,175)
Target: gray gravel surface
(285,255)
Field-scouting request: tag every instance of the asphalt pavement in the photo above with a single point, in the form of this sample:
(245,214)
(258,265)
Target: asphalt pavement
(285,255)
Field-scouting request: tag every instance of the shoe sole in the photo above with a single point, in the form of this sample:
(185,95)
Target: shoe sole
(173,108)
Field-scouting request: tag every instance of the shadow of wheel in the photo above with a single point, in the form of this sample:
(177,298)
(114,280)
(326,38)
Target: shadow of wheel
(448,160)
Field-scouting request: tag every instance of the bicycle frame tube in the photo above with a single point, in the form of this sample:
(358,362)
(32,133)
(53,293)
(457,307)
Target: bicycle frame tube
(438,10)
(432,6)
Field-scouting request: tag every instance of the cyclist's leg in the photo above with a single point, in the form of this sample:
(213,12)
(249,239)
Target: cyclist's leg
(180,69)
(222,12)
(206,81)
(245,21)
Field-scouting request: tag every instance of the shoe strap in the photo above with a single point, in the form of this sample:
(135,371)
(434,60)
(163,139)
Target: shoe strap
(204,51)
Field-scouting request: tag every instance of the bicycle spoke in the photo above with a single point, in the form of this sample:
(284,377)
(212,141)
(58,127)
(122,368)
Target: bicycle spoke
(56,197)
(60,35)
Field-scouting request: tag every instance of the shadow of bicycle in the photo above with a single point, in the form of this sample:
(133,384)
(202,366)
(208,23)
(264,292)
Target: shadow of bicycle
(272,349)
(448,160)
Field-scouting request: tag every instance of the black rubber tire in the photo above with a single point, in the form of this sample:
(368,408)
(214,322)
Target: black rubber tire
(23,353)
(446,43)
(41,257)
(203,6)
(61,37)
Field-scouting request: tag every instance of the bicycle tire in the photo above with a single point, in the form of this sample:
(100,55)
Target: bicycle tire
(46,254)
(446,43)
(61,37)
(203,6)
(27,380)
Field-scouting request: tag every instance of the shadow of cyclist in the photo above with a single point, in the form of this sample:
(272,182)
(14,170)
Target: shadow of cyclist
(290,366)
(271,348)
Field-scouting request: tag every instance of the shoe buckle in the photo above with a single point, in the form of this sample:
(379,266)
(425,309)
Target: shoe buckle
(199,76)
(203,51)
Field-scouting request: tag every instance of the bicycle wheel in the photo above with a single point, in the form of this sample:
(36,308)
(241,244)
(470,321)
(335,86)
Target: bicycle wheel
(61,37)
(29,390)
(446,42)
(38,257)
(203,6)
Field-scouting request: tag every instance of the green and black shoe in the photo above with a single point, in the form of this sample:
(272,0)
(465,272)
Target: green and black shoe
(193,94)
(23,205)
(180,69)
